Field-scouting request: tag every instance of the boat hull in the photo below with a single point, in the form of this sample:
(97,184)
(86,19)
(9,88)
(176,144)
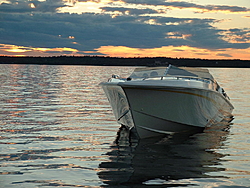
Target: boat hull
(158,110)
(118,101)
(149,126)
(155,110)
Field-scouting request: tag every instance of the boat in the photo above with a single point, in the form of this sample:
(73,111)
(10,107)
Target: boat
(166,100)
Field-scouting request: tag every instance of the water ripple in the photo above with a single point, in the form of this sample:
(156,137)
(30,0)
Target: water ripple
(57,129)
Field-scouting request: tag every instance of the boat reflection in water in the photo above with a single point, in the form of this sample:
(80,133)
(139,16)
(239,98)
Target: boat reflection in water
(164,160)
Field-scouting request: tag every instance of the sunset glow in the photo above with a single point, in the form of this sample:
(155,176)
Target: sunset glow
(27,51)
(182,51)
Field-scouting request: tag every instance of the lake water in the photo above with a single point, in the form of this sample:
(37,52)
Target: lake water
(58,130)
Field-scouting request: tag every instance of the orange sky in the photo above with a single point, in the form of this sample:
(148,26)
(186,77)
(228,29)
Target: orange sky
(170,51)
(122,51)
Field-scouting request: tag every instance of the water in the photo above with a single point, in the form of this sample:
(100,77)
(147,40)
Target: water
(58,130)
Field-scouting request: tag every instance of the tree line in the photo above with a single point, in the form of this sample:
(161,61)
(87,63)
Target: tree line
(120,61)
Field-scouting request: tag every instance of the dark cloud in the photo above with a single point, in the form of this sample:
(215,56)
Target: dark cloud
(91,31)
(95,1)
(24,6)
(240,35)
(131,11)
(58,52)
(224,55)
(184,4)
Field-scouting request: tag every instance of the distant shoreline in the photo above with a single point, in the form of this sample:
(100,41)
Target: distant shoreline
(119,61)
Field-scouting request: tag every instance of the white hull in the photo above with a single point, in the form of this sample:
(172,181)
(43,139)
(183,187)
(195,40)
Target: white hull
(171,110)
(155,126)
(167,105)
(119,104)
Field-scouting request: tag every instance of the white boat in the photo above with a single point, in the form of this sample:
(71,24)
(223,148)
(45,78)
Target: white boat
(167,100)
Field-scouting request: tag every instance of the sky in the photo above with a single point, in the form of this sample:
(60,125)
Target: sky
(214,29)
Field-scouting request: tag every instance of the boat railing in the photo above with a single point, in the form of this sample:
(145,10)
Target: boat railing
(206,80)
(189,78)
(213,83)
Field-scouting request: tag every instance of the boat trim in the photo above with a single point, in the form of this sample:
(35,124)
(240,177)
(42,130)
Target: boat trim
(156,131)
(127,111)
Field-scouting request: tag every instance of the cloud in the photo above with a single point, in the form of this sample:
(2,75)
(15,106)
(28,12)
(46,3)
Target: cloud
(184,4)
(91,31)
(224,55)
(237,36)
(24,6)
(130,11)
(241,35)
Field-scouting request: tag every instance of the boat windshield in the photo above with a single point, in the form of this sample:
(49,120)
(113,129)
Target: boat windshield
(150,72)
